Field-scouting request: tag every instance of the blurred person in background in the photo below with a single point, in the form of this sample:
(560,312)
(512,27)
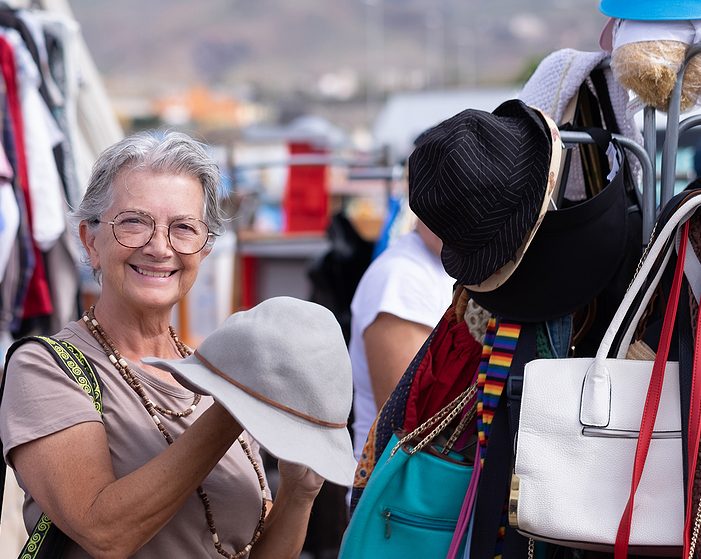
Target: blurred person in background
(400,298)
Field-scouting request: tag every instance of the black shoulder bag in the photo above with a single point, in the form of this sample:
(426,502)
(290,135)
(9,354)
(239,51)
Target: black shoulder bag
(46,540)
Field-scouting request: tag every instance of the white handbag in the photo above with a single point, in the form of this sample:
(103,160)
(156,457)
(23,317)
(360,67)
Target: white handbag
(579,427)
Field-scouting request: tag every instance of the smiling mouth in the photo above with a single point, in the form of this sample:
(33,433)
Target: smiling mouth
(150,274)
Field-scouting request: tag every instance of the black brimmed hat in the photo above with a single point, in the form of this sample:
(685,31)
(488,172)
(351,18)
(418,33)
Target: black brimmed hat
(482,183)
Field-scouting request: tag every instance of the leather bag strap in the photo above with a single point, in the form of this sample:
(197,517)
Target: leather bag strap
(595,404)
(632,320)
(652,399)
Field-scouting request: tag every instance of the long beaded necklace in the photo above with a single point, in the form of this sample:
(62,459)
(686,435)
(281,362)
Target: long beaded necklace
(128,375)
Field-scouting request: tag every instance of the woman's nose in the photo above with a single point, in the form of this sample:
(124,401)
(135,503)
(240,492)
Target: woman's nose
(160,242)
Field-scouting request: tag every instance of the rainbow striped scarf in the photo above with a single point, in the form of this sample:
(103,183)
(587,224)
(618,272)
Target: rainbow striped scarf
(497,353)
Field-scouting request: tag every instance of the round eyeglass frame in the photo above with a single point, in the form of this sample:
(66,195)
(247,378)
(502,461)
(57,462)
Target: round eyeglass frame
(210,236)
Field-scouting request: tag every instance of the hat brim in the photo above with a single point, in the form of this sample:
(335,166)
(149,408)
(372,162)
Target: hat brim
(326,450)
(573,258)
(499,277)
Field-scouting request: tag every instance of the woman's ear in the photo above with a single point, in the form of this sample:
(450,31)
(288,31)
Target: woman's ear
(87,237)
(206,250)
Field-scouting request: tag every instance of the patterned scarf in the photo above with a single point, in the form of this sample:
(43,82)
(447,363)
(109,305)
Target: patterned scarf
(497,353)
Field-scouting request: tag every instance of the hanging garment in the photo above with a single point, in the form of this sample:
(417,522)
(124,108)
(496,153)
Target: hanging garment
(38,298)
(441,376)
(46,36)
(10,19)
(41,135)
(61,34)
(9,212)
(32,21)
(20,268)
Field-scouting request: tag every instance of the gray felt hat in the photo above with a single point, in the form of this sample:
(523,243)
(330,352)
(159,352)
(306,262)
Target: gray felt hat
(282,370)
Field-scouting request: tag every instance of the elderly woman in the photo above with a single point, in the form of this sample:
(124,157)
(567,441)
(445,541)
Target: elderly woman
(163,472)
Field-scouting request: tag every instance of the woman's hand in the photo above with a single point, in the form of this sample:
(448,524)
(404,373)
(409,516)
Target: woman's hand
(299,479)
(286,525)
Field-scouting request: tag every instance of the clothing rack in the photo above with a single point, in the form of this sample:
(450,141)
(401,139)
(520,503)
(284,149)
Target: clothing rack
(646,153)
(648,194)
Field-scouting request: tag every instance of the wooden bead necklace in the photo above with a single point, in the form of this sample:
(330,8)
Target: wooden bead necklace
(127,374)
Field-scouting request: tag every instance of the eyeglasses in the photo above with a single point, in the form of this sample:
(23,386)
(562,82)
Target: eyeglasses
(134,229)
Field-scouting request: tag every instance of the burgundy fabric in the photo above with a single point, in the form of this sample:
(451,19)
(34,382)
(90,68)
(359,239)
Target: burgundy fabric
(38,299)
(447,369)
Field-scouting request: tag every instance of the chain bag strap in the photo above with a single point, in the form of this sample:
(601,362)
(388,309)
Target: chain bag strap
(438,424)
(695,532)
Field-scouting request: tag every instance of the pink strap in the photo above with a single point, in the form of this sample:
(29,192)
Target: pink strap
(652,400)
(466,509)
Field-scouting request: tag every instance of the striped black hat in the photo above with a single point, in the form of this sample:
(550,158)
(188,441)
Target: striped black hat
(478,181)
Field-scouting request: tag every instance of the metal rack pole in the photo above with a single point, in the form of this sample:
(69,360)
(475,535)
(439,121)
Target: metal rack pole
(650,143)
(671,141)
(648,196)
(689,122)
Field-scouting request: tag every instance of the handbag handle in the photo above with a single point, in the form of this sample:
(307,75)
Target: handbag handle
(595,406)
(632,323)
(658,271)
(652,400)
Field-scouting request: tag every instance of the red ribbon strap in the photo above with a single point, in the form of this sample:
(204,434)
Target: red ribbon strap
(652,400)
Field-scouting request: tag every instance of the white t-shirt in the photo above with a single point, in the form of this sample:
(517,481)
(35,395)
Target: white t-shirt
(408,281)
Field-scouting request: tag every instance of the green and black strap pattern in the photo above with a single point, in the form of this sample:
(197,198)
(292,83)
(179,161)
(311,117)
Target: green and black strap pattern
(46,540)
(75,365)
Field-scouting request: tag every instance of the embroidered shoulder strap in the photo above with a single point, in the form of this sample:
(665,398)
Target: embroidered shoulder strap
(46,537)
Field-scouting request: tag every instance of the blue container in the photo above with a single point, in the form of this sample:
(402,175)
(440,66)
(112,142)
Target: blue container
(652,9)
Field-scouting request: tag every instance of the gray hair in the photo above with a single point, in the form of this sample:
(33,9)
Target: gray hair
(159,151)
